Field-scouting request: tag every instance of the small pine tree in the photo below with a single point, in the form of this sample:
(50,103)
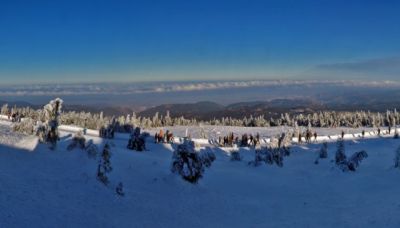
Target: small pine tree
(235,156)
(137,141)
(187,162)
(356,159)
(397,158)
(101,175)
(323,153)
(106,155)
(27,126)
(104,166)
(77,141)
(49,131)
(120,189)
(4,109)
(91,149)
(340,156)
(207,157)
(259,156)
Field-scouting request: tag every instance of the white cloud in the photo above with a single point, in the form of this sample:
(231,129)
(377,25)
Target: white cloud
(139,88)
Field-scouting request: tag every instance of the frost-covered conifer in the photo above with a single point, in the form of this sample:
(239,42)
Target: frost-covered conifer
(104,165)
(235,155)
(340,156)
(207,157)
(356,159)
(187,162)
(397,158)
(323,153)
(91,149)
(77,141)
(27,126)
(48,131)
(120,189)
(137,141)
(4,109)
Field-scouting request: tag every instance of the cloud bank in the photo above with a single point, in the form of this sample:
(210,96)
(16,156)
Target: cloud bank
(167,87)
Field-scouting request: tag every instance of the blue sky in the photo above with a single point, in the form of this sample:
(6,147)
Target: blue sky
(73,41)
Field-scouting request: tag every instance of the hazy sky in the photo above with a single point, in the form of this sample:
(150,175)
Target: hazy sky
(58,41)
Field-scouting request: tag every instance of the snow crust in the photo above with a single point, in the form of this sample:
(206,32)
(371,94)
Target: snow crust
(44,188)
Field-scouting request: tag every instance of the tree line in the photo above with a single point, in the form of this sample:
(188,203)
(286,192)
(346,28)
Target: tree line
(129,122)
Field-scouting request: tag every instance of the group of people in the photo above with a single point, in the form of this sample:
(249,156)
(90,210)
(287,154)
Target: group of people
(308,135)
(378,131)
(162,137)
(14,117)
(244,141)
(106,132)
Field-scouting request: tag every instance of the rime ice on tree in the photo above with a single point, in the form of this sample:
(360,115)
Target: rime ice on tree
(48,132)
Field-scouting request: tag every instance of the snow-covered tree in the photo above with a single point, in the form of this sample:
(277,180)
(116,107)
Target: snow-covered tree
(91,149)
(259,156)
(27,126)
(48,131)
(323,153)
(396,133)
(207,157)
(77,141)
(187,162)
(137,141)
(397,158)
(235,155)
(120,189)
(104,165)
(4,109)
(340,156)
(356,159)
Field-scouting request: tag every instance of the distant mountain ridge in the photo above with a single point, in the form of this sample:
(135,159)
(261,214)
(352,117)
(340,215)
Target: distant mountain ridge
(207,110)
(210,110)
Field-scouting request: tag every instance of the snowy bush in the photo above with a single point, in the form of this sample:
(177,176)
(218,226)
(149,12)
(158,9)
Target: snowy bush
(104,165)
(47,131)
(4,109)
(340,157)
(356,159)
(107,132)
(350,164)
(120,189)
(323,153)
(41,132)
(77,141)
(259,156)
(207,157)
(187,162)
(396,134)
(91,149)
(397,158)
(101,175)
(137,141)
(273,153)
(284,143)
(106,155)
(235,156)
(27,126)
(277,150)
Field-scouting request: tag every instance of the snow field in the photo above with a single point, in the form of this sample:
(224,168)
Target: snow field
(44,188)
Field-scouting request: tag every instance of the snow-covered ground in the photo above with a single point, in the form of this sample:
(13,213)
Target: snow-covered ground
(44,188)
(211,131)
